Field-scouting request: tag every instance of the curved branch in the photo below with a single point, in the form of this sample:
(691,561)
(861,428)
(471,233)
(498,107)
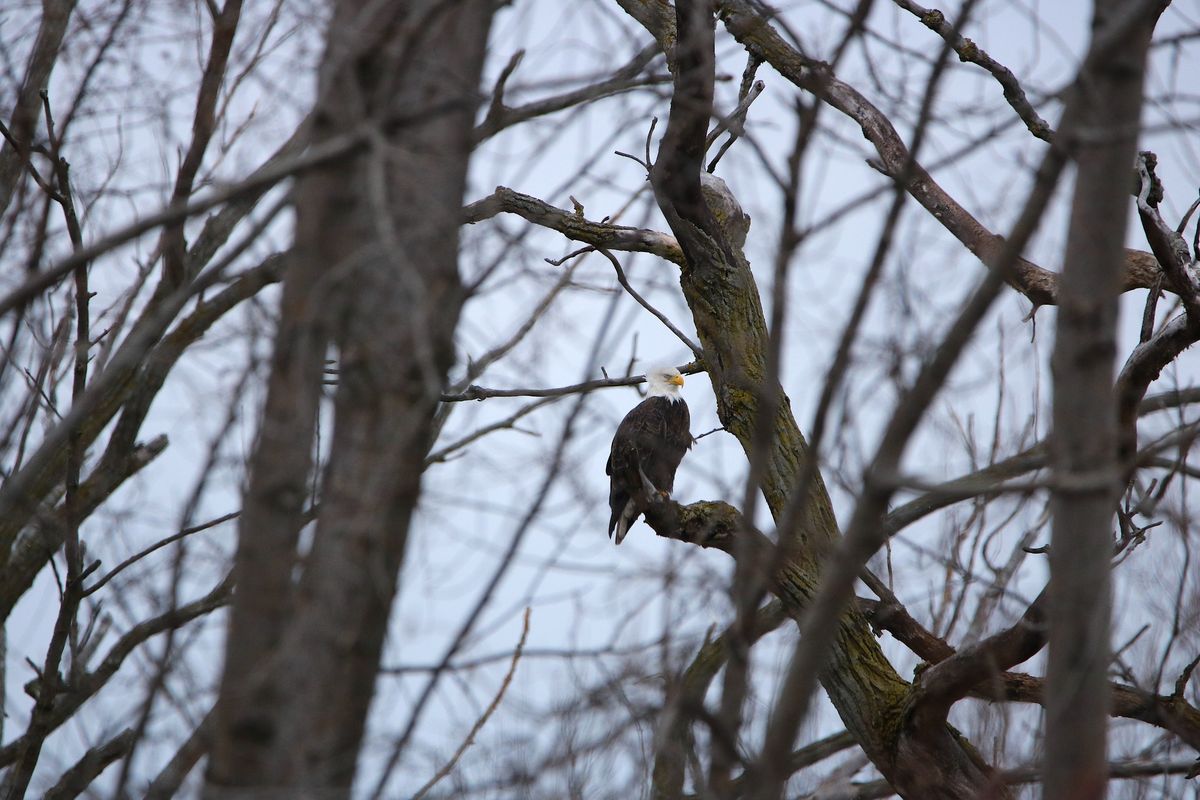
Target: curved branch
(573,226)
(968,51)
(624,281)
(1039,285)
(628,77)
(1143,367)
(1170,713)
(950,680)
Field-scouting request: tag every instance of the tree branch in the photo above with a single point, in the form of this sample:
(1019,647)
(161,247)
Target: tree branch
(500,116)
(1170,713)
(624,281)
(166,784)
(573,226)
(78,778)
(479,723)
(969,51)
(950,680)
(1039,285)
(473,392)
(83,688)
(172,244)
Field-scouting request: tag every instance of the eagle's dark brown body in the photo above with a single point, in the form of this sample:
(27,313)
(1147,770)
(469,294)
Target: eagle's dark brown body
(654,434)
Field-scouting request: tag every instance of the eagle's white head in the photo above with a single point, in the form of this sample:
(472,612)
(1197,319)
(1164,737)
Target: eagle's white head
(664,382)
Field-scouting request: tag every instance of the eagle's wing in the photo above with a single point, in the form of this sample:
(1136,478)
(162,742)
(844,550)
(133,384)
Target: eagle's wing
(652,440)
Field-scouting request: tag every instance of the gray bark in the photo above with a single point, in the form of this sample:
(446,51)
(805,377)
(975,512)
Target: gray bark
(1084,450)
(376,273)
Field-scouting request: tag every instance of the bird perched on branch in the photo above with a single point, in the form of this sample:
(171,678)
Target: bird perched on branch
(647,448)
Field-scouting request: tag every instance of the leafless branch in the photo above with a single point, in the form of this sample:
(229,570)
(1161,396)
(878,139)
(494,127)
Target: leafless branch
(443,454)
(166,784)
(78,778)
(968,50)
(624,79)
(479,723)
(624,281)
(313,157)
(172,246)
(85,686)
(481,393)
(573,226)
(212,523)
(1036,283)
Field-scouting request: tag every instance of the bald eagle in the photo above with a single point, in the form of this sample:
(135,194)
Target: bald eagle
(653,436)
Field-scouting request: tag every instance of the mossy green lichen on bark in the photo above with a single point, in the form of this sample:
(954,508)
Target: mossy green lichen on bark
(872,699)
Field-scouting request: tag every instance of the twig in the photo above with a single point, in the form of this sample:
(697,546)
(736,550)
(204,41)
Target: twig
(497,104)
(969,51)
(627,77)
(312,157)
(474,392)
(646,163)
(1149,312)
(737,119)
(204,120)
(479,723)
(1188,216)
(212,523)
(649,136)
(24,155)
(1184,677)
(733,122)
(695,348)
(508,423)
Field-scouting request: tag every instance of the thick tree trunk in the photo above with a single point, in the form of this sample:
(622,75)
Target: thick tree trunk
(376,272)
(1084,448)
(871,698)
(876,704)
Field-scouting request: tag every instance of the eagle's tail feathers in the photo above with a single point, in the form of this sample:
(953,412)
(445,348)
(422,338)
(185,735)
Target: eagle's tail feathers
(628,516)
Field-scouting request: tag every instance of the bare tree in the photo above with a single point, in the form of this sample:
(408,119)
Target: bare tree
(208,593)
(375,273)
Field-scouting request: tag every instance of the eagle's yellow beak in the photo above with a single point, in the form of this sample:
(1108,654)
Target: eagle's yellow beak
(676,379)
